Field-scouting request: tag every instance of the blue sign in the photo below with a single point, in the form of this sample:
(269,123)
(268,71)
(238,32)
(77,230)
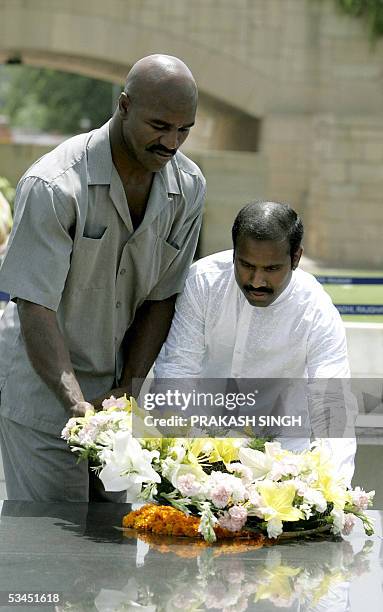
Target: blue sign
(360,309)
(350,280)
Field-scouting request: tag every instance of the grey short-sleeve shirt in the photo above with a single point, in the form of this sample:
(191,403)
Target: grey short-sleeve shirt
(73,249)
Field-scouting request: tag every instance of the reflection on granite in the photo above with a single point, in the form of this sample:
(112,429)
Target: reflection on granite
(76,549)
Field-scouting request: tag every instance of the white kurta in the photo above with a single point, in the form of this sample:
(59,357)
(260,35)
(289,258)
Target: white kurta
(217,333)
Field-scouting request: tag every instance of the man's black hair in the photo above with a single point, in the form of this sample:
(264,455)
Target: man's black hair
(269,221)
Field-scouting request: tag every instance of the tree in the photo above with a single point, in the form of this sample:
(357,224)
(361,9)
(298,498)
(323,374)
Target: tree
(370,10)
(55,101)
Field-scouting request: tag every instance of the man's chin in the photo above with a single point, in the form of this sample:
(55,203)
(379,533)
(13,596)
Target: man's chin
(157,161)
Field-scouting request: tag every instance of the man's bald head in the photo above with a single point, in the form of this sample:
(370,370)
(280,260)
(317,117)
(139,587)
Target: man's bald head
(158,76)
(155,113)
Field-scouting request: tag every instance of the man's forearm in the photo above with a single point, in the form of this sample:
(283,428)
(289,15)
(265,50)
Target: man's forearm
(144,339)
(48,352)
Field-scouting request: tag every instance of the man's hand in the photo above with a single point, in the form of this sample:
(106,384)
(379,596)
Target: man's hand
(79,409)
(117,392)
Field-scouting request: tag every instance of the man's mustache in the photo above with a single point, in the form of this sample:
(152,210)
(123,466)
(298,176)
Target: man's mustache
(258,289)
(162,149)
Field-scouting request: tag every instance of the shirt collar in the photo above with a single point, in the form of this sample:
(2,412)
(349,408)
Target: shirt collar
(100,163)
(286,293)
(170,175)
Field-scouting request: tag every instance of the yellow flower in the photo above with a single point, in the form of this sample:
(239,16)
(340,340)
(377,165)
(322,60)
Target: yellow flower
(278,499)
(332,491)
(199,447)
(328,482)
(225,450)
(214,449)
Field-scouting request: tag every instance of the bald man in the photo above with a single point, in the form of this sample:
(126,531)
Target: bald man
(106,226)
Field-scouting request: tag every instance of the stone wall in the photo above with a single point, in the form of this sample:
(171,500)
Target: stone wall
(233,180)
(344,210)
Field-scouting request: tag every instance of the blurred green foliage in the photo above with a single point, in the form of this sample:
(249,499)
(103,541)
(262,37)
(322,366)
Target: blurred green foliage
(48,100)
(370,10)
(7,190)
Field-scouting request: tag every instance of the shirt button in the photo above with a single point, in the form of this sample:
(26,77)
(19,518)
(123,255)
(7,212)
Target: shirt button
(118,304)
(122,271)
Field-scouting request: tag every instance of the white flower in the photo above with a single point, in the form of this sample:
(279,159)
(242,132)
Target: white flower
(274,528)
(168,467)
(256,502)
(179,452)
(338,519)
(315,498)
(306,509)
(260,463)
(68,427)
(287,466)
(241,471)
(127,466)
(301,486)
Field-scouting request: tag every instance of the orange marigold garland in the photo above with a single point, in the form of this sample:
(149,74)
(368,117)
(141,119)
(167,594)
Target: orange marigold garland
(168,521)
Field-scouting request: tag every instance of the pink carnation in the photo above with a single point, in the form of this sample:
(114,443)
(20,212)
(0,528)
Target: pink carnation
(360,498)
(112,402)
(234,519)
(187,485)
(349,523)
(220,496)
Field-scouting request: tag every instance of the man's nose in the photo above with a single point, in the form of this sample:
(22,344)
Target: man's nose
(258,278)
(170,139)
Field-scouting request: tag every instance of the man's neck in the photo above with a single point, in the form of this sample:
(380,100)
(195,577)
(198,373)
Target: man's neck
(130,171)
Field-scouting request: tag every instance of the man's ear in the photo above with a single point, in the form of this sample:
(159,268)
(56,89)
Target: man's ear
(123,104)
(296,258)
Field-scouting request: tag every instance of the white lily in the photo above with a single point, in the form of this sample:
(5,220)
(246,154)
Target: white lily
(127,465)
(260,463)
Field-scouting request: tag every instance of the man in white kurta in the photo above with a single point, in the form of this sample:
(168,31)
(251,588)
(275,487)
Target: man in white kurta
(250,313)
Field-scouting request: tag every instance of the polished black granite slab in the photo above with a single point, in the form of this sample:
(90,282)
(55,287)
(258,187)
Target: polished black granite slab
(78,551)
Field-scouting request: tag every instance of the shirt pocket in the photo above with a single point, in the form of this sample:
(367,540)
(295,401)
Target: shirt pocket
(89,267)
(163,257)
(147,261)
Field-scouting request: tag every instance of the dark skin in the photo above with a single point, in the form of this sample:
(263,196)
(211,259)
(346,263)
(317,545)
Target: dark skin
(152,120)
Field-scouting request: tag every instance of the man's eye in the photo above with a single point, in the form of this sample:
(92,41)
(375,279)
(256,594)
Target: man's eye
(271,268)
(184,129)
